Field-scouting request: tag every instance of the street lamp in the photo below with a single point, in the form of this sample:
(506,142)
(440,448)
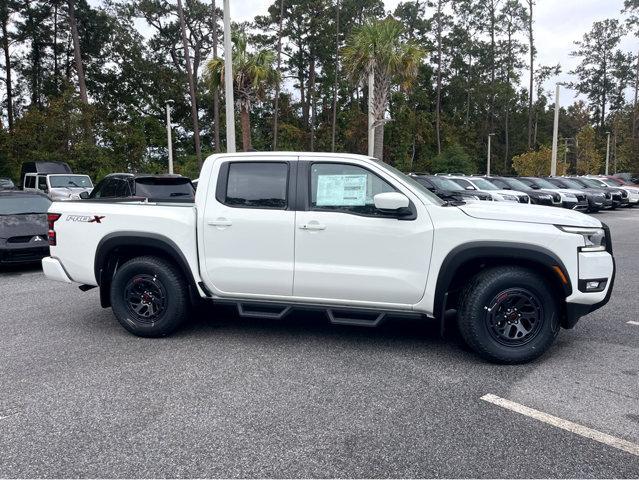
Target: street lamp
(607,152)
(488,157)
(169,141)
(555,134)
(228,80)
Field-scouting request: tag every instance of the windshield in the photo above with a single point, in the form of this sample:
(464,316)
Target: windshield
(541,183)
(515,184)
(610,183)
(22,204)
(570,183)
(412,182)
(164,188)
(591,182)
(6,183)
(482,184)
(445,184)
(70,181)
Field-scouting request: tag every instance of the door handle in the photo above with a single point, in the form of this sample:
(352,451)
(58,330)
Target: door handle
(313,226)
(220,222)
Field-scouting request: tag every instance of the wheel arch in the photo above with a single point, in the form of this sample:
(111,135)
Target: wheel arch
(466,260)
(117,247)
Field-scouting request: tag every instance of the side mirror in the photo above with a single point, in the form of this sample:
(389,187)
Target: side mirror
(84,195)
(534,186)
(391,201)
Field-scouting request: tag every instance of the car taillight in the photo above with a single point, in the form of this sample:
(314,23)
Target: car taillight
(51,219)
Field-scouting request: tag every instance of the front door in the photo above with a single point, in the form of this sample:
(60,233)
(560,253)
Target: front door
(346,249)
(249,228)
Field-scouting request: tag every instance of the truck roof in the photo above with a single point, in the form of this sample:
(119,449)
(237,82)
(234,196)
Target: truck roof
(258,155)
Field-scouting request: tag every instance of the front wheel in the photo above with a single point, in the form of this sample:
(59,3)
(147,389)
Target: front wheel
(508,315)
(149,296)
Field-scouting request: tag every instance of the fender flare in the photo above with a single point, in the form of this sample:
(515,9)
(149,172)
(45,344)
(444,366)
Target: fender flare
(115,240)
(492,250)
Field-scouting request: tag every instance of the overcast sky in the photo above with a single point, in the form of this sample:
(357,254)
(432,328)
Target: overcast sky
(558,23)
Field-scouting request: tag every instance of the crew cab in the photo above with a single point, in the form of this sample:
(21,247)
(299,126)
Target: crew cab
(345,234)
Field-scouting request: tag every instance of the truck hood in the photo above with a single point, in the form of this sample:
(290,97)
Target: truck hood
(527,213)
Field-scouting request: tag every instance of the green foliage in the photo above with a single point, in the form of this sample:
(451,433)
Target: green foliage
(588,155)
(536,163)
(454,159)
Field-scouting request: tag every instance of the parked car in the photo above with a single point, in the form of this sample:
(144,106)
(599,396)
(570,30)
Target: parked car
(152,187)
(631,178)
(43,168)
(597,198)
(6,184)
(448,190)
(58,186)
(619,196)
(344,234)
(538,197)
(480,184)
(633,192)
(569,199)
(23,226)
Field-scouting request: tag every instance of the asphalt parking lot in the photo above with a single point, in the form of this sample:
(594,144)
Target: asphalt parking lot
(231,397)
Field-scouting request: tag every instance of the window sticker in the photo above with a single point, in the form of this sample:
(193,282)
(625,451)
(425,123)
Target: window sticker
(341,190)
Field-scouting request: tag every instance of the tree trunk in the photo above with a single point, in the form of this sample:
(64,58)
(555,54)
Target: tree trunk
(532,67)
(245,120)
(379,142)
(189,73)
(55,44)
(7,62)
(216,93)
(311,100)
(439,77)
(77,53)
(276,108)
(335,83)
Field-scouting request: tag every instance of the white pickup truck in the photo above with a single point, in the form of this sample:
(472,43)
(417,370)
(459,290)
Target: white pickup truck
(272,232)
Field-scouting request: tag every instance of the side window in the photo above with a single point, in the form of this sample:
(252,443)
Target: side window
(346,188)
(121,189)
(30,181)
(109,187)
(257,185)
(42,183)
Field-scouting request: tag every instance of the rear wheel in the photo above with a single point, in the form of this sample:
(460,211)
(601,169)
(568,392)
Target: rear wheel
(149,296)
(508,315)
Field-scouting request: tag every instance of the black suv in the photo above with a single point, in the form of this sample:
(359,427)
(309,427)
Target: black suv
(448,190)
(598,199)
(23,226)
(537,197)
(619,196)
(143,186)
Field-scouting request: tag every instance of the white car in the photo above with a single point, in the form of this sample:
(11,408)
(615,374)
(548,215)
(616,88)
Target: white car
(483,185)
(58,186)
(345,234)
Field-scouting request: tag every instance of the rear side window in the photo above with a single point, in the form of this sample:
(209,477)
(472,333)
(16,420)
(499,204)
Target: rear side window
(42,183)
(29,182)
(164,188)
(257,185)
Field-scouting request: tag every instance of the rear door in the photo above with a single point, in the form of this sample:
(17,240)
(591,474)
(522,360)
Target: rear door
(248,226)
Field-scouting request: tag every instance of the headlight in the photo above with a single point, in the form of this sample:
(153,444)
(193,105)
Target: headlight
(594,238)
(570,196)
(545,197)
(509,198)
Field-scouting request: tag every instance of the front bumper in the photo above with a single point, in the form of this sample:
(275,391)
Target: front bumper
(592,265)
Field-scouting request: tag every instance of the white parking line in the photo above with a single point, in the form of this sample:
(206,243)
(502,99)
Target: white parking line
(615,442)
(632,322)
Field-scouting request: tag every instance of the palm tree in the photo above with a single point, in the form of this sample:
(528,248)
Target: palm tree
(377,48)
(253,74)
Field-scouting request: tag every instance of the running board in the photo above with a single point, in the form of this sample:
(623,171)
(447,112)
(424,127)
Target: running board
(355,317)
(262,310)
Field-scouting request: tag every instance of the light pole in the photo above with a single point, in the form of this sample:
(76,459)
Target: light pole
(607,152)
(555,133)
(169,141)
(228,80)
(488,156)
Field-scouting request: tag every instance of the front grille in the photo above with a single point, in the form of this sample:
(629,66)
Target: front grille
(624,194)
(556,197)
(524,200)
(607,195)
(580,197)
(616,195)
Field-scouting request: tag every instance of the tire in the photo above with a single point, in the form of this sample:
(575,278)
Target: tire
(149,296)
(499,336)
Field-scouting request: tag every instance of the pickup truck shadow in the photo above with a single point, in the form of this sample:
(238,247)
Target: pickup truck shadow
(425,333)
(19,268)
